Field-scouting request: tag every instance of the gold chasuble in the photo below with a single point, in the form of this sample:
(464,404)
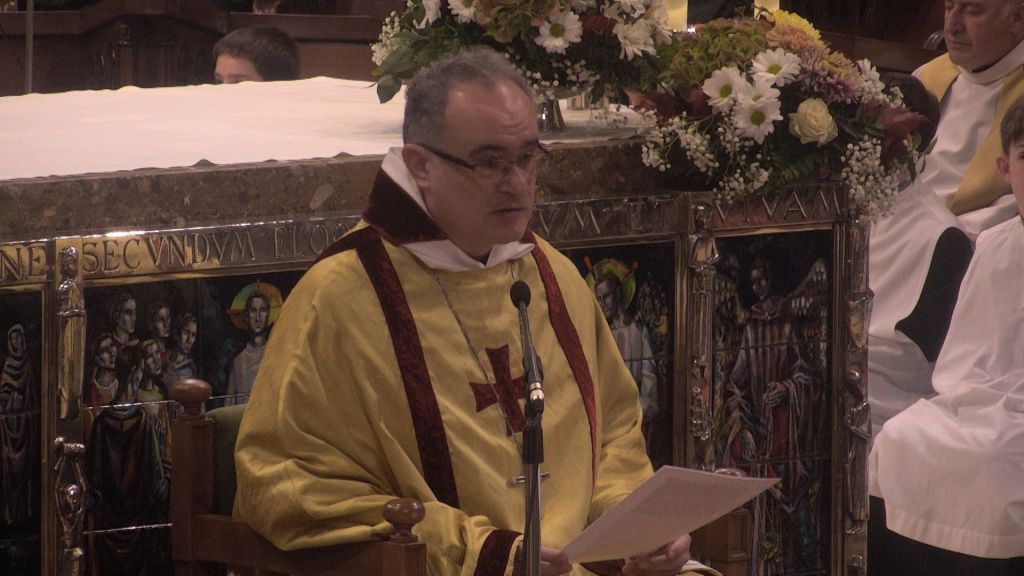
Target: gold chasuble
(981,184)
(368,391)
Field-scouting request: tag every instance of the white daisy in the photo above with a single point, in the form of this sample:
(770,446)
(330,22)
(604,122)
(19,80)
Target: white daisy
(762,88)
(463,10)
(778,66)
(756,118)
(724,85)
(432,11)
(561,30)
(635,38)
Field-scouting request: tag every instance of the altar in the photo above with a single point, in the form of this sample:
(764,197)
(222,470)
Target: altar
(145,218)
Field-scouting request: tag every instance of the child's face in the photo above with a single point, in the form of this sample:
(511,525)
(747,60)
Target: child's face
(1011,168)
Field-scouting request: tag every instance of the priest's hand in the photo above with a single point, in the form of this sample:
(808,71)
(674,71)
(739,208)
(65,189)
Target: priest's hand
(665,561)
(553,562)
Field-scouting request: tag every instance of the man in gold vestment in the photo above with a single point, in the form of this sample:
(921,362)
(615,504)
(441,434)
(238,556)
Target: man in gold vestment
(395,366)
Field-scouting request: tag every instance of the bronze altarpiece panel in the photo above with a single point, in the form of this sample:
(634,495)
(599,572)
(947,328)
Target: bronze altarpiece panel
(766,351)
(160,306)
(776,302)
(169,303)
(24,272)
(635,287)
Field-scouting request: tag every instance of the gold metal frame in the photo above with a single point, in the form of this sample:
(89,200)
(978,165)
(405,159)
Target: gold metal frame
(821,207)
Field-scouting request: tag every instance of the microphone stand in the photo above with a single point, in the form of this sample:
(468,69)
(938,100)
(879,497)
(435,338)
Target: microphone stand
(533,455)
(533,435)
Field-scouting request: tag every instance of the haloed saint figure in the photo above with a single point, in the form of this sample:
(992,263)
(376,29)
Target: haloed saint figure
(632,342)
(257,318)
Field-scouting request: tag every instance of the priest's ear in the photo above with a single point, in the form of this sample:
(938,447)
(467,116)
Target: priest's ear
(417,161)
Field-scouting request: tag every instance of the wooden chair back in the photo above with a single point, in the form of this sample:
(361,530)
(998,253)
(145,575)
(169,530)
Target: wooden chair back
(203,539)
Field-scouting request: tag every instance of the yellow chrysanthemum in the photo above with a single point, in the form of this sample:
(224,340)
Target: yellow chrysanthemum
(785,19)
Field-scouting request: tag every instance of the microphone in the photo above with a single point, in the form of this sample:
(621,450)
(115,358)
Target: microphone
(520,294)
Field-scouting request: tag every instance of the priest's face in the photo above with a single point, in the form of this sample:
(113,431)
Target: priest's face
(479,207)
(1011,168)
(980,32)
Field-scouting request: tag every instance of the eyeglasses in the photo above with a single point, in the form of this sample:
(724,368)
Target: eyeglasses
(494,168)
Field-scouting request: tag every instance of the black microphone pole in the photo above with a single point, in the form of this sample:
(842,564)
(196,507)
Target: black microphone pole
(533,435)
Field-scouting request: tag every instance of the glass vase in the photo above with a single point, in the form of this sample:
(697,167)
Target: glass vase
(549,116)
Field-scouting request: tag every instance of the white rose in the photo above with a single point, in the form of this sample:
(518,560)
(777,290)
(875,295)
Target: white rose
(812,123)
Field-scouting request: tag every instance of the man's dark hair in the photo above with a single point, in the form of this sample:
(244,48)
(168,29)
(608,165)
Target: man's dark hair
(272,52)
(426,97)
(918,99)
(1011,130)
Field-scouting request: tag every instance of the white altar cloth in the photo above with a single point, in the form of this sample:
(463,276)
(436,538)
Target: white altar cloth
(95,131)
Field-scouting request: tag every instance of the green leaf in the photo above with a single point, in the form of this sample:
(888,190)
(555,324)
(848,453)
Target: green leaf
(387,87)
(401,64)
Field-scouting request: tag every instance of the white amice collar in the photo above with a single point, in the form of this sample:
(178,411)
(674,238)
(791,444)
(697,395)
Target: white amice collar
(1013,60)
(444,254)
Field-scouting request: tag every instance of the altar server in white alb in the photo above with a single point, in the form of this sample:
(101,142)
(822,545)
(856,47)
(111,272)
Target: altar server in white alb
(919,253)
(951,469)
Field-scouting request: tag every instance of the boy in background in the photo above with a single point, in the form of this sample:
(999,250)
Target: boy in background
(257,54)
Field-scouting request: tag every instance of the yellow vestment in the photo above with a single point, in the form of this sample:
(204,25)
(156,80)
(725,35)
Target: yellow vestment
(368,391)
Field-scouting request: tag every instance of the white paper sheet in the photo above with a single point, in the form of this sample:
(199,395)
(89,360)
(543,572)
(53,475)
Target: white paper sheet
(673,502)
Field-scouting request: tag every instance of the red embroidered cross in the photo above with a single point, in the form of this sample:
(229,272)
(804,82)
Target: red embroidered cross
(509,390)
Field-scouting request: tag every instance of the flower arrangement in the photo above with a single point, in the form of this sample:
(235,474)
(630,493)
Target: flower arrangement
(564,47)
(752,104)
